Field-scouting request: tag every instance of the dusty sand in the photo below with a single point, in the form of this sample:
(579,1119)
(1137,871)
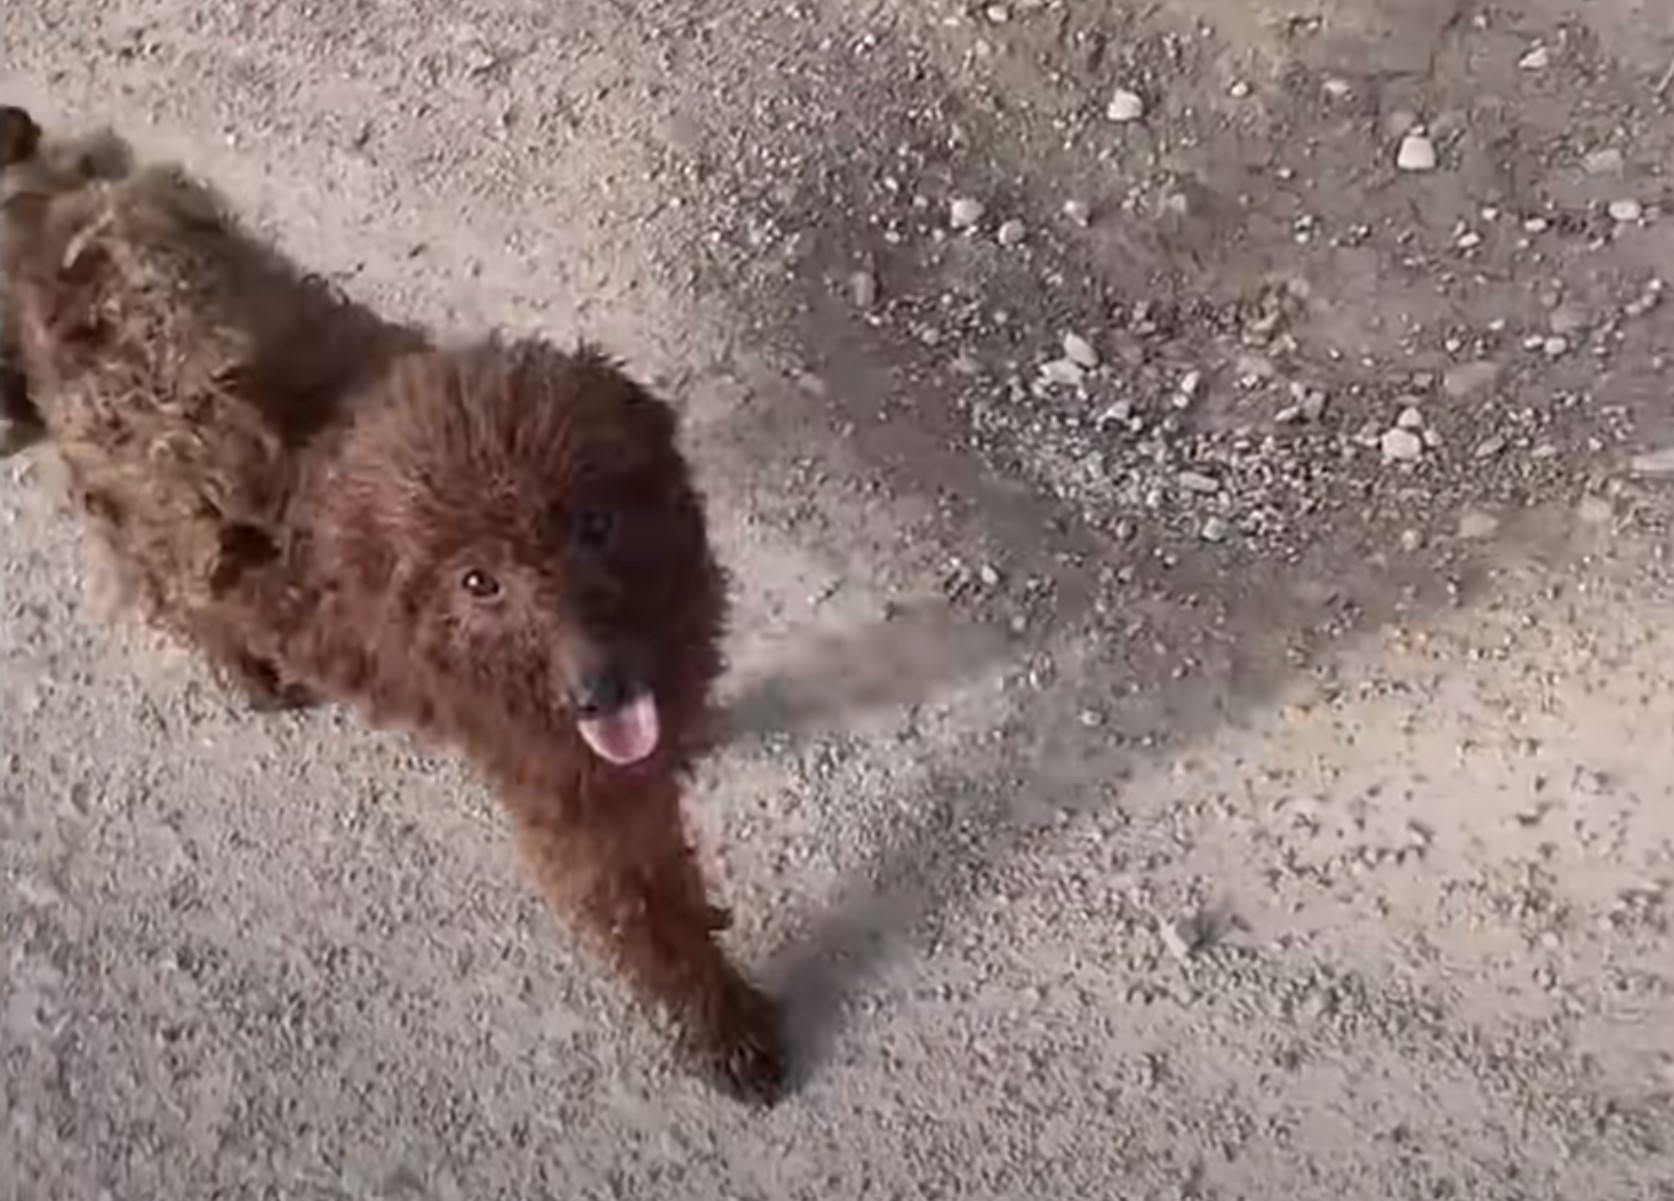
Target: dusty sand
(1175,771)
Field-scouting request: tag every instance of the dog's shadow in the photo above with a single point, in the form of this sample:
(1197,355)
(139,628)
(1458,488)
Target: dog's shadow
(827,675)
(817,681)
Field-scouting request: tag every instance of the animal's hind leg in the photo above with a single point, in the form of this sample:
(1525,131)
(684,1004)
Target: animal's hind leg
(624,871)
(20,422)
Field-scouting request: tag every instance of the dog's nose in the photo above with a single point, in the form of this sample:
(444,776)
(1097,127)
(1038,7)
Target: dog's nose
(602,692)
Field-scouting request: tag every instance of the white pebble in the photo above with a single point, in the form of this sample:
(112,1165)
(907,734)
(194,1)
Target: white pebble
(1080,351)
(1537,59)
(1125,106)
(1011,232)
(1401,446)
(863,289)
(1626,210)
(964,212)
(1063,373)
(1608,161)
(1078,212)
(1417,153)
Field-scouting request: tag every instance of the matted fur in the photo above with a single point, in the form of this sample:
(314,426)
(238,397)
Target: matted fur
(300,489)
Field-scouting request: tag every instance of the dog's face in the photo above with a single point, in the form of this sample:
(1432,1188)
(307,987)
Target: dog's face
(532,528)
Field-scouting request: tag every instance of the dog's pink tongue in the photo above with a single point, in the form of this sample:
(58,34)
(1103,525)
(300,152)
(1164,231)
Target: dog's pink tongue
(625,736)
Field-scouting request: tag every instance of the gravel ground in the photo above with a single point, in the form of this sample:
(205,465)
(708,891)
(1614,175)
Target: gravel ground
(1197,479)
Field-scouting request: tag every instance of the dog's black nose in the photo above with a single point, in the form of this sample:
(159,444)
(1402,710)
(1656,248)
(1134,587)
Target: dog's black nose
(599,693)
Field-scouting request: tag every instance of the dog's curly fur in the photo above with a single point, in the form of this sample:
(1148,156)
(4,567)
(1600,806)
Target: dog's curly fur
(330,506)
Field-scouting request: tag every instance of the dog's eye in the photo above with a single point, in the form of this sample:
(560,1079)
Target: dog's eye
(479,584)
(592,528)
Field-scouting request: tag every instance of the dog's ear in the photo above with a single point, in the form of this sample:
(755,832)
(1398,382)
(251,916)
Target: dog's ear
(19,136)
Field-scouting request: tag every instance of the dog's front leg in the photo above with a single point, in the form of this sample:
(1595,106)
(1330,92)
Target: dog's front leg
(625,872)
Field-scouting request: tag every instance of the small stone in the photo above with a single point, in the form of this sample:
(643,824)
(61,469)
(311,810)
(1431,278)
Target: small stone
(1475,525)
(1410,419)
(863,289)
(1239,90)
(1078,213)
(1417,153)
(1080,351)
(989,575)
(1626,210)
(1555,347)
(1189,383)
(1566,319)
(1411,540)
(1537,59)
(1655,464)
(1196,481)
(1214,529)
(1313,404)
(1012,232)
(964,212)
(1468,379)
(1337,89)
(1608,161)
(1595,510)
(1125,106)
(1064,373)
(1401,446)
(1489,447)
(1174,942)
(1118,413)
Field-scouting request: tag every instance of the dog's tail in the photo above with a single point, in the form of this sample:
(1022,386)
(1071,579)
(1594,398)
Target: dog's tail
(20,137)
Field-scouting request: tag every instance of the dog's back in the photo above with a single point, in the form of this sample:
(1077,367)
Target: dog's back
(123,284)
(179,364)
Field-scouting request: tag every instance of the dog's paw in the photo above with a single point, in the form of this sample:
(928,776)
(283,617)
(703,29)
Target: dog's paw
(744,1054)
(265,692)
(283,698)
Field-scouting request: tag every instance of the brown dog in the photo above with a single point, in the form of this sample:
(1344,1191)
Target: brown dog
(499,546)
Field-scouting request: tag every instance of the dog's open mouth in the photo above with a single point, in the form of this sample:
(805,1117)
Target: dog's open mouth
(623,736)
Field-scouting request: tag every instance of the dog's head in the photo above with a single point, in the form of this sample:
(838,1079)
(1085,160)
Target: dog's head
(522,524)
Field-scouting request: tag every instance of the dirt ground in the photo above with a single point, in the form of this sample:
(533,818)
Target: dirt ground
(1196,474)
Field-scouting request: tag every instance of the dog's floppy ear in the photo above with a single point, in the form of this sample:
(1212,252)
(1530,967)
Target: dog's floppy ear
(19,136)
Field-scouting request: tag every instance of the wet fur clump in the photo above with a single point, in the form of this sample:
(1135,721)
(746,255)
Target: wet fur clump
(498,545)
